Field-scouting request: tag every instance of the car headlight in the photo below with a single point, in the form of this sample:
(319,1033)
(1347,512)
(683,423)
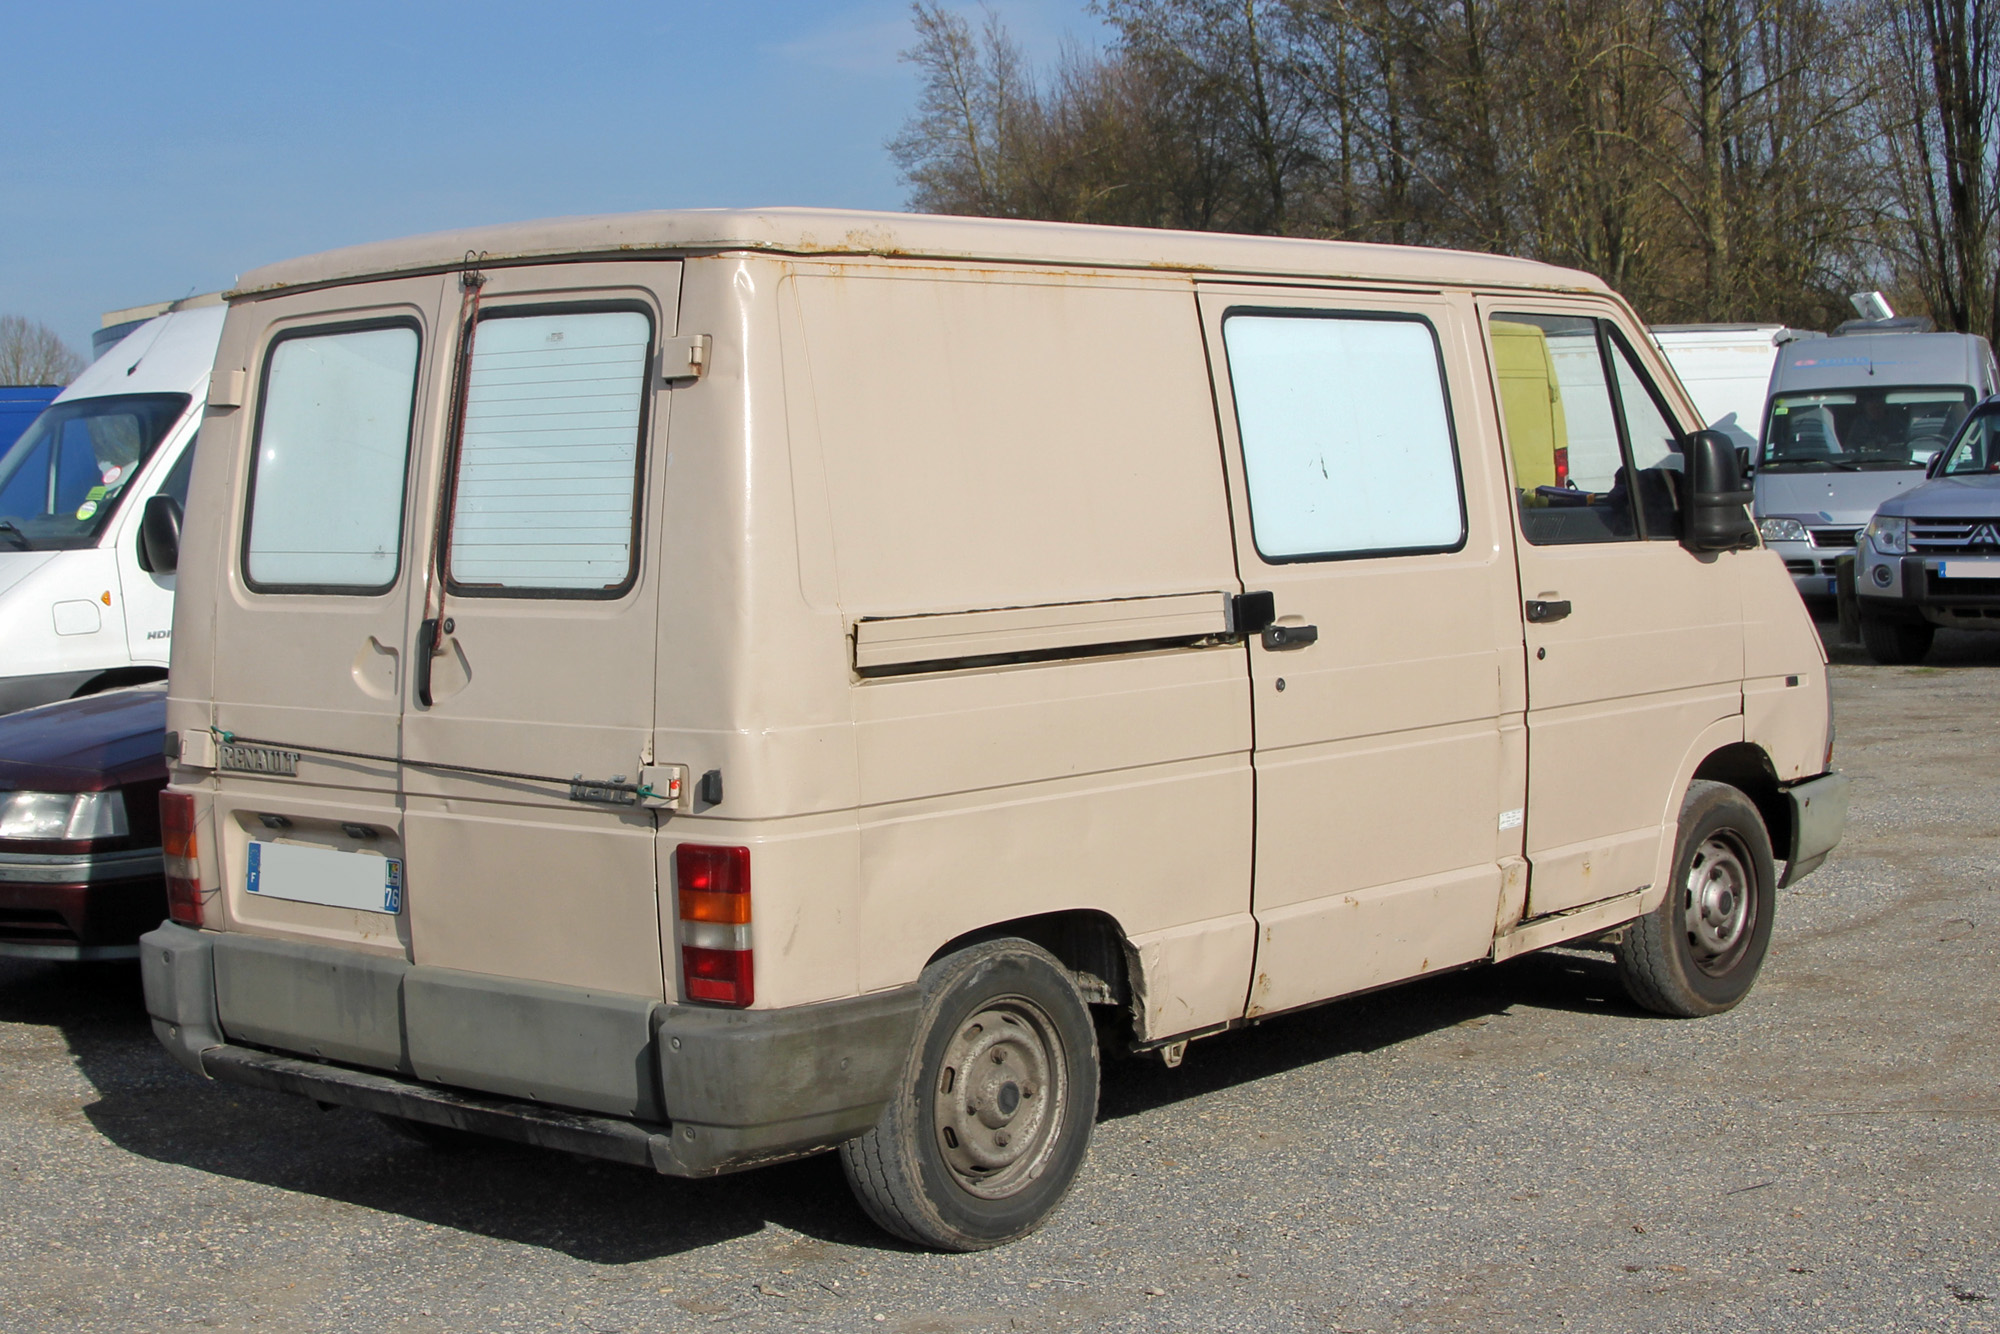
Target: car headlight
(1889,535)
(1782,530)
(68,816)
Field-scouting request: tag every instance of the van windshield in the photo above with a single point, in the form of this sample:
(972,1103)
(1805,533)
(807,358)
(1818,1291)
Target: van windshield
(61,482)
(1861,429)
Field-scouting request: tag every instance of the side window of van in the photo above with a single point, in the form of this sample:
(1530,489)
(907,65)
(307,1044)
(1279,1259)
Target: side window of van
(1578,411)
(332,450)
(1654,441)
(545,498)
(1347,436)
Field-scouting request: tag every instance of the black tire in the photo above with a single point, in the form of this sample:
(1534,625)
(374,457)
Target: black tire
(1895,643)
(1698,953)
(958,1162)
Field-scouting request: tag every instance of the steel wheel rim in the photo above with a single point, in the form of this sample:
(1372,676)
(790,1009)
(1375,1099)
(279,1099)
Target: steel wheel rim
(1001,1090)
(1719,903)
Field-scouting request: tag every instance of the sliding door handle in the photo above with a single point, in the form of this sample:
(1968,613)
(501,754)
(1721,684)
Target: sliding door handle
(1541,613)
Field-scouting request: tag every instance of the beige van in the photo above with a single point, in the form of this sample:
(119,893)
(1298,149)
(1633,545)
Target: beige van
(702,688)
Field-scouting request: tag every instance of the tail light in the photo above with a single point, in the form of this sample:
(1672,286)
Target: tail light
(713,885)
(1562,467)
(183,862)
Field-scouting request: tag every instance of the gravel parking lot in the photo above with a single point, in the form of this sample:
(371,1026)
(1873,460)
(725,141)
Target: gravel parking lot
(1512,1148)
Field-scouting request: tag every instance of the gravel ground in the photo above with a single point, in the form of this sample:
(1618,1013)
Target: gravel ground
(1512,1148)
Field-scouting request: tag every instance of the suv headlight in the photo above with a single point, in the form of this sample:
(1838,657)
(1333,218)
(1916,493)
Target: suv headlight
(67,816)
(1782,530)
(1889,535)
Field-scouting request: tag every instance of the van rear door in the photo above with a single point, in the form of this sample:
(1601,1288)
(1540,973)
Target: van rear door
(540,635)
(309,627)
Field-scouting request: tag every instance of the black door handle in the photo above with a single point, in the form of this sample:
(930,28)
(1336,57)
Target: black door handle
(1290,636)
(1541,613)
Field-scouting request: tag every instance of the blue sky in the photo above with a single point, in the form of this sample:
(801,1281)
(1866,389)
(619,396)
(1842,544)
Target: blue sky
(155,150)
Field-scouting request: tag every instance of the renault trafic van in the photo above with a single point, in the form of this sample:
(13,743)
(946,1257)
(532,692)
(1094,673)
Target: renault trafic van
(1853,420)
(702,688)
(83,603)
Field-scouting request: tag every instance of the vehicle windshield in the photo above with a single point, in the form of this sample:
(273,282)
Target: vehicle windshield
(60,483)
(1977,449)
(1861,429)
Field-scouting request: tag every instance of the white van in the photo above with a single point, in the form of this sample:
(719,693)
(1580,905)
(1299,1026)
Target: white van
(1726,369)
(83,605)
(702,688)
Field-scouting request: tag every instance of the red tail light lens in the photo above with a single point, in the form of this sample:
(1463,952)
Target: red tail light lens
(712,887)
(1562,467)
(183,863)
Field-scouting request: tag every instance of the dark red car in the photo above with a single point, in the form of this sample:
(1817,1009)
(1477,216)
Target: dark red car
(80,780)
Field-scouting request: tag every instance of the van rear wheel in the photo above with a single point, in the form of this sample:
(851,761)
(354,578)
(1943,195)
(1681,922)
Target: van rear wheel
(1699,952)
(993,1115)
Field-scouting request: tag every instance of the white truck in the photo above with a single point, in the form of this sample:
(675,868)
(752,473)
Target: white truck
(85,602)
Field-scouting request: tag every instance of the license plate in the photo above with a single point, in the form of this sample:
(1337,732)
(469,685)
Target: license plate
(355,880)
(1975,568)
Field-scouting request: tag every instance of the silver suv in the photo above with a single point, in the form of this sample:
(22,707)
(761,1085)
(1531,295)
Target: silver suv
(1931,556)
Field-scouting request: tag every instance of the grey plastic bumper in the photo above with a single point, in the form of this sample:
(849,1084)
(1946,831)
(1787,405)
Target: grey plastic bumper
(1819,816)
(689,1090)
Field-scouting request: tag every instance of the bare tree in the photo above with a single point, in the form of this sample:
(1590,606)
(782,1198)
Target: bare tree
(32,354)
(1939,70)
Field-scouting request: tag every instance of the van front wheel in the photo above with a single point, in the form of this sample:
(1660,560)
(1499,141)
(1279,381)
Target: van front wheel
(1698,953)
(994,1111)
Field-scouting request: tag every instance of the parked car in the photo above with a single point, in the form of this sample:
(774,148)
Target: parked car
(1930,557)
(1853,420)
(85,602)
(80,870)
(700,688)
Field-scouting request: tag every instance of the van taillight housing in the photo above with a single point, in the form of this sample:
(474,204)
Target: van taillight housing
(1562,466)
(713,886)
(183,863)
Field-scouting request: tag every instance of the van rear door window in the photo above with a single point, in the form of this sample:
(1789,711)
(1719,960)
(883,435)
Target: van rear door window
(333,448)
(546,494)
(1347,436)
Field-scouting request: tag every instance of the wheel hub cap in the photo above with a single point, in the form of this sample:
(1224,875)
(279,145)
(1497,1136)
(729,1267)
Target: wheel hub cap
(999,1097)
(1718,901)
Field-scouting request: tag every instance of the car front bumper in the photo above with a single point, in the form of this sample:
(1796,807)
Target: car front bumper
(1913,588)
(79,906)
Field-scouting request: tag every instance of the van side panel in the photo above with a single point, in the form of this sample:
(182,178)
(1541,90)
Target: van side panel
(995,440)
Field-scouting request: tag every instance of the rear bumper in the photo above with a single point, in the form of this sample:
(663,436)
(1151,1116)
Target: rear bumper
(687,1090)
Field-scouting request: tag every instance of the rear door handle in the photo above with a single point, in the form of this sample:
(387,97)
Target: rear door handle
(1290,636)
(1541,613)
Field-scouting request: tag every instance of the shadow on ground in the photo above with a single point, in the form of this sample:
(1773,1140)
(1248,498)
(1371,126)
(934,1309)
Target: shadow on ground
(608,1214)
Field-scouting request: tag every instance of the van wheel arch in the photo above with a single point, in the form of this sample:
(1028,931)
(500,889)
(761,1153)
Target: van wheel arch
(1746,767)
(1093,947)
(117,678)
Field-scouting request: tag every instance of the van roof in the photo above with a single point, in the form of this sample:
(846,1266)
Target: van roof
(840,232)
(1892,358)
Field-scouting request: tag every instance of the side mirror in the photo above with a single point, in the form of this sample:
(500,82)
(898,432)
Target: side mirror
(160,535)
(1744,467)
(1935,466)
(1718,501)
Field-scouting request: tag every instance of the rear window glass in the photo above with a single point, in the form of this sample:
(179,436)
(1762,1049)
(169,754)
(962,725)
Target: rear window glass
(333,445)
(548,465)
(1347,441)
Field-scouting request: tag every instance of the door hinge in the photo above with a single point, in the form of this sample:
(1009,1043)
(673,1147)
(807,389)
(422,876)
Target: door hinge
(686,357)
